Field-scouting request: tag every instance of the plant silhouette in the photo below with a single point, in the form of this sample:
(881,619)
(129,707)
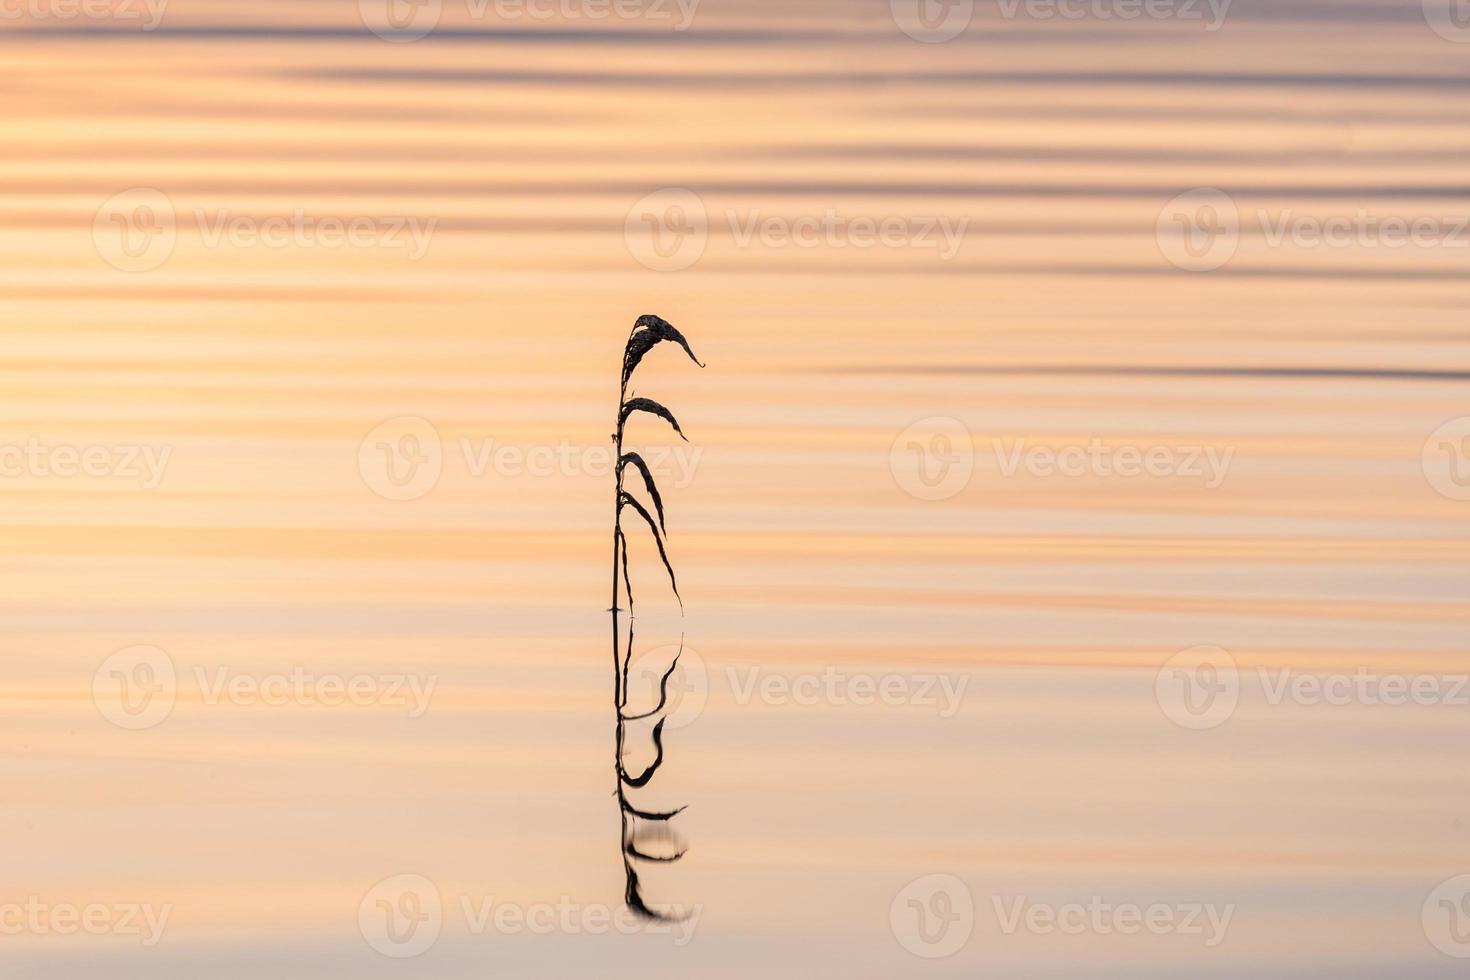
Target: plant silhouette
(648,331)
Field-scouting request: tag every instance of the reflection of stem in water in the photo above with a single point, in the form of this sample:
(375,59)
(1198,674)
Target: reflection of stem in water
(639,825)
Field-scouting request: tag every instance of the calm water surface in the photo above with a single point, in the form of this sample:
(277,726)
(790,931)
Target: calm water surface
(1025,294)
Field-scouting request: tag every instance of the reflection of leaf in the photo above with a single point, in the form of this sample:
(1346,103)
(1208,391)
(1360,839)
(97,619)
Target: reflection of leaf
(658,539)
(663,689)
(642,778)
(622,543)
(633,850)
(648,331)
(634,898)
(652,408)
(642,467)
(652,815)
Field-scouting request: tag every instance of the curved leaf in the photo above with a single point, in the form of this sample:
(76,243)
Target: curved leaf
(642,467)
(652,408)
(658,539)
(648,331)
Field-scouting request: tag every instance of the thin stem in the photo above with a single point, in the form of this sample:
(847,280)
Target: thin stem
(620,674)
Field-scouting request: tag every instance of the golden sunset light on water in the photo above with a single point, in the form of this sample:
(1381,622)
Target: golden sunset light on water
(1071,519)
